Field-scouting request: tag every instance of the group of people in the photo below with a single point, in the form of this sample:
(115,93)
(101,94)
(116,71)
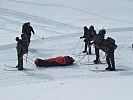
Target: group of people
(23,43)
(107,45)
(90,37)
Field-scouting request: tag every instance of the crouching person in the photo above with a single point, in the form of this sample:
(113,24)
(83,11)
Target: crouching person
(108,46)
(57,61)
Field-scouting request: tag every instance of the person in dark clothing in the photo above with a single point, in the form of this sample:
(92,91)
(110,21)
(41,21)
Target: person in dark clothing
(24,30)
(87,38)
(101,34)
(22,48)
(110,61)
(20,53)
(27,29)
(25,43)
(108,48)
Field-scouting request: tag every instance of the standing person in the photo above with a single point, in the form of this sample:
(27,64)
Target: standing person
(20,53)
(24,28)
(87,38)
(108,46)
(25,43)
(22,48)
(101,34)
(110,61)
(27,29)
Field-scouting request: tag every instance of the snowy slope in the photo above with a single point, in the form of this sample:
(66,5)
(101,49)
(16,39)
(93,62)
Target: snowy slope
(60,23)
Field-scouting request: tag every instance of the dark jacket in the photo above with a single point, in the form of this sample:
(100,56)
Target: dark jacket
(87,34)
(27,29)
(19,47)
(104,45)
(24,28)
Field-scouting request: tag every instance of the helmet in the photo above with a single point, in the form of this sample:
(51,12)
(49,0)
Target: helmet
(91,27)
(85,27)
(28,22)
(17,39)
(103,31)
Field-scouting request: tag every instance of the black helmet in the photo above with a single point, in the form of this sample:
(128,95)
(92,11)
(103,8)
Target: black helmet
(91,27)
(28,23)
(17,39)
(85,26)
(103,31)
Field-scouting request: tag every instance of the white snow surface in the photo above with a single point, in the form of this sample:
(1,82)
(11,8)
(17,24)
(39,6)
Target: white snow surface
(58,24)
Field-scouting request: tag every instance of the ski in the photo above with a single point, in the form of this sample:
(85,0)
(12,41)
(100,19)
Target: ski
(83,54)
(12,68)
(9,66)
(92,63)
(103,70)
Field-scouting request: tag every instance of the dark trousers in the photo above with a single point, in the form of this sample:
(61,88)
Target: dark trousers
(29,36)
(97,53)
(20,62)
(110,60)
(87,44)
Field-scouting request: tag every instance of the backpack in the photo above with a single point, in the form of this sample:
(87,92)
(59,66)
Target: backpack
(109,39)
(111,43)
(107,45)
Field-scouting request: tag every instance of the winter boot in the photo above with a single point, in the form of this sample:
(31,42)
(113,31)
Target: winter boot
(108,68)
(97,61)
(85,51)
(20,68)
(112,69)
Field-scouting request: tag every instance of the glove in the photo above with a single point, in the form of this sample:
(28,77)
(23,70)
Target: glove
(81,37)
(91,43)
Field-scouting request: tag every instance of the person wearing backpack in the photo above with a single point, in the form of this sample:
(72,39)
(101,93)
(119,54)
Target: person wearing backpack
(101,34)
(108,46)
(87,38)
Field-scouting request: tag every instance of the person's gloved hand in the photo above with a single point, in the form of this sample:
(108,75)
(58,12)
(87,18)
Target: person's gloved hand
(81,37)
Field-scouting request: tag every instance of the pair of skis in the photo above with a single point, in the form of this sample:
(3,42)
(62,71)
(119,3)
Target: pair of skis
(12,68)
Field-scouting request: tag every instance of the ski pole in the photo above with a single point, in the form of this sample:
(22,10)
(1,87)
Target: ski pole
(76,45)
(39,37)
(81,48)
(26,58)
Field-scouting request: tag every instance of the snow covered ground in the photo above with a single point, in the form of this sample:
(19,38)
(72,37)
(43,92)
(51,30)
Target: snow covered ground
(60,23)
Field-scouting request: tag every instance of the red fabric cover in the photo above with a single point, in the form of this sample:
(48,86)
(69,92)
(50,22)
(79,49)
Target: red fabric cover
(59,60)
